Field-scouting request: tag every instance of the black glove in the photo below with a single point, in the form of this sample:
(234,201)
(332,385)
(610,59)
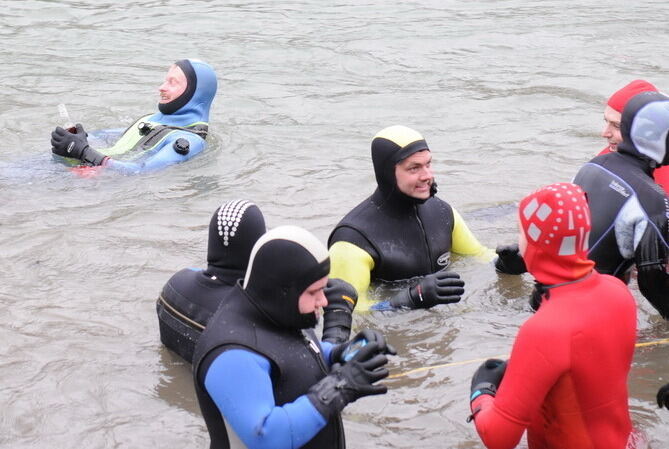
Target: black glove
(509,260)
(67,144)
(346,351)
(663,397)
(487,378)
(338,314)
(442,287)
(540,292)
(346,383)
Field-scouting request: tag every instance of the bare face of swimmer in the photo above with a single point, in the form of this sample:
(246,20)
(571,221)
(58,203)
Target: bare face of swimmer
(522,240)
(611,131)
(174,85)
(313,298)
(414,175)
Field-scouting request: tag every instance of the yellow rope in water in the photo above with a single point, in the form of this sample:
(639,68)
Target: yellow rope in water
(501,356)
(662,341)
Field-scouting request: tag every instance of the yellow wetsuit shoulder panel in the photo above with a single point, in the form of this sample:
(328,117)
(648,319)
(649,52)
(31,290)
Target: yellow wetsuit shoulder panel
(354,265)
(464,241)
(128,140)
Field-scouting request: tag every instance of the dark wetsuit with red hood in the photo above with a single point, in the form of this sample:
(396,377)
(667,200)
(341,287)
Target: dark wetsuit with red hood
(629,210)
(617,102)
(566,380)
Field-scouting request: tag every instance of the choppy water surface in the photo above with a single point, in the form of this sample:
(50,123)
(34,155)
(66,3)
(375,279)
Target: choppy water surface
(509,95)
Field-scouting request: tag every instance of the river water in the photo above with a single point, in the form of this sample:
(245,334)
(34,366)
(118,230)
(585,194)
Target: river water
(509,95)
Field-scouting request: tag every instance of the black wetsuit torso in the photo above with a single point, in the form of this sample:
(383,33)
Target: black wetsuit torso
(405,238)
(187,302)
(295,365)
(629,221)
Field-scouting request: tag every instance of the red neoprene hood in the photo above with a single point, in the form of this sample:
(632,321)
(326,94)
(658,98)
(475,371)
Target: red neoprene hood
(620,98)
(556,223)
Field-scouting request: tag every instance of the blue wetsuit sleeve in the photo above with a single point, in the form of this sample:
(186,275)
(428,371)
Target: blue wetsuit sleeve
(327,351)
(382,305)
(239,383)
(162,156)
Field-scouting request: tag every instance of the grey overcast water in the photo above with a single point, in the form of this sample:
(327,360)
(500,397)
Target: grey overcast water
(509,95)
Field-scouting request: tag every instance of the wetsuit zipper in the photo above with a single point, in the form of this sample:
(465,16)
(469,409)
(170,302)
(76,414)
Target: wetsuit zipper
(315,350)
(427,245)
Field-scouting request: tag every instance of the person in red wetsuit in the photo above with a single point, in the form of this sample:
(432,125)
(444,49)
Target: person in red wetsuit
(612,116)
(566,380)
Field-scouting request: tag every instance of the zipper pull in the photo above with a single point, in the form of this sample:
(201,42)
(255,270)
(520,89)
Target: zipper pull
(312,344)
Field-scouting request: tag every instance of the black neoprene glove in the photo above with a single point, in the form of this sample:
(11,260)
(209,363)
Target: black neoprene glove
(509,260)
(344,351)
(487,378)
(539,293)
(338,314)
(442,287)
(663,397)
(75,145)
(346,383)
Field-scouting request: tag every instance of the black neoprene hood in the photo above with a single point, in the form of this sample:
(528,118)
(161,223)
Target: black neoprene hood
(233,230)
(389,147)
(281,267)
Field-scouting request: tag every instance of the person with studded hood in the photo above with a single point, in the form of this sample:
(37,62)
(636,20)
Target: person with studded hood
(402,231)
(629,210)
(565,383)
(173,134)
(262,378)
(191,296)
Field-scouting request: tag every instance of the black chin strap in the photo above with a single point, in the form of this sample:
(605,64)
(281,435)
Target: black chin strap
(542,291)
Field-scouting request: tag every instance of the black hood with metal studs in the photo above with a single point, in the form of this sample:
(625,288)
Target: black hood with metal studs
(233,230)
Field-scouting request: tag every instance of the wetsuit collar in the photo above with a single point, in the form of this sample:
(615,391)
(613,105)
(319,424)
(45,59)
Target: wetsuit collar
(645,164)
(562,284)
(397,200)
(542,292)
(227,276)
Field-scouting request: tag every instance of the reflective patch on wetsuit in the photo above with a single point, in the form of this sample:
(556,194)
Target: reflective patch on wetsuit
(616,186)
(534,232)
(530,208)
(568,246)
(630,225)
(544,211)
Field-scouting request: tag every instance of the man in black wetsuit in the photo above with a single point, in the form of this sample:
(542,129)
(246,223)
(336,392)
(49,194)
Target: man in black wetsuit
(191,296)
(402,231)
(629,210)
(261,376)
